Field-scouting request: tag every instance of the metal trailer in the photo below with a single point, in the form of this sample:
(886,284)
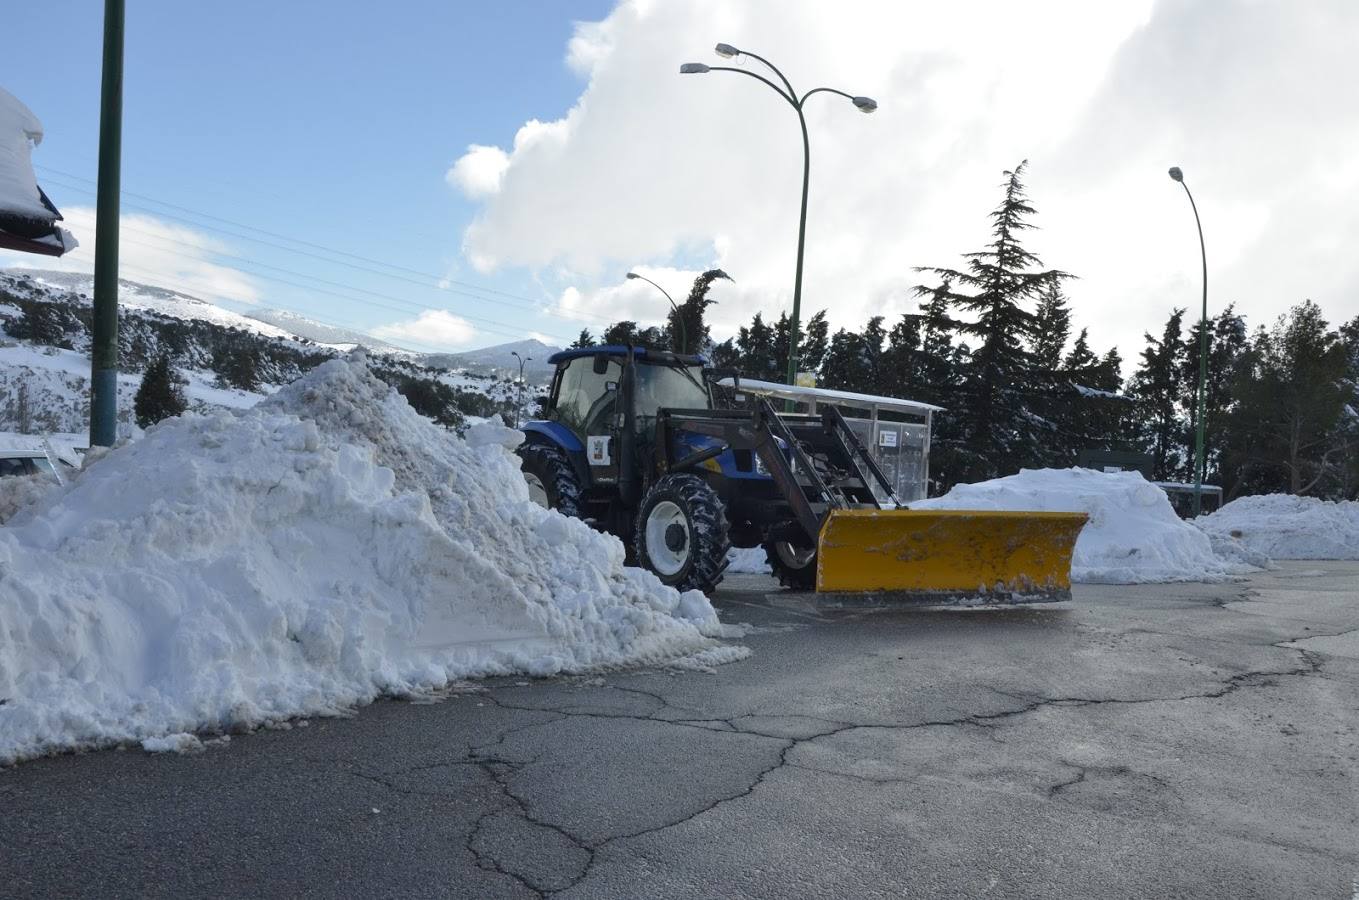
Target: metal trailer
(900,449)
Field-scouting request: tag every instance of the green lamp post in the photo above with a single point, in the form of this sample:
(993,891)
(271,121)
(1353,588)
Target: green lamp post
(863,104)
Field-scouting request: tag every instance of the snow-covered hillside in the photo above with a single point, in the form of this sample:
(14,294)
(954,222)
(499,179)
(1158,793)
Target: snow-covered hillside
(135,295)
(229,360)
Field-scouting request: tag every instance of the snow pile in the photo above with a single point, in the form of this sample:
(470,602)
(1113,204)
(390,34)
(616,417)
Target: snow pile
(1133,536)
(327,547)
(1283,526)
(747,561)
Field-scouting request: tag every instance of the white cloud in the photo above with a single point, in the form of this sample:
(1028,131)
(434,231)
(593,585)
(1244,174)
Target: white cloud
(433,328)
(154,252)
(688,171)
(478,172)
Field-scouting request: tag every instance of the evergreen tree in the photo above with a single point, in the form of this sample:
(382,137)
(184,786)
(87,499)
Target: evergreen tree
(1080,362)
(160,394)
(239,368)
(815,342)
(997,433)
(584,340)
(1289,430)
(688,330)
(756,348)
(1156,387)
(627,332)
(1051,329)
(848,365)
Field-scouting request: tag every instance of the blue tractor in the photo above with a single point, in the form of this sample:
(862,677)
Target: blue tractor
(645,445)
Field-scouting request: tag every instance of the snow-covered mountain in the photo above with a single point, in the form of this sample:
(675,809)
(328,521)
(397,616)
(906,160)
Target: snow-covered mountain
(498,361)
(135,295)
(331,335)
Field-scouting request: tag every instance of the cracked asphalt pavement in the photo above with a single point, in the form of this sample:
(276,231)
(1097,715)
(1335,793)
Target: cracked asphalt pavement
(1153,741)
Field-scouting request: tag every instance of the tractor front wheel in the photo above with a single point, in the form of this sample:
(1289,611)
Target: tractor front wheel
(551,479)
(793,566)
(681,533)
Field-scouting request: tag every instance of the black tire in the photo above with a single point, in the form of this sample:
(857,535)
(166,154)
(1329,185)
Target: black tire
(554,474)
(695,557)
(784,559)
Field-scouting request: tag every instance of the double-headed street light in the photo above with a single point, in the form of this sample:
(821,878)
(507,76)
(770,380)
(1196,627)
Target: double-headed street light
(679,317)
(519,404)
(1199,464)
(863,104)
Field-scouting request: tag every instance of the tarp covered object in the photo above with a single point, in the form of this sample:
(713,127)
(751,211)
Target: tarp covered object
(28,220)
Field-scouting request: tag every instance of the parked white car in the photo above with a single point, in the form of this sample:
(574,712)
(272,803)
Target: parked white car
(29,462)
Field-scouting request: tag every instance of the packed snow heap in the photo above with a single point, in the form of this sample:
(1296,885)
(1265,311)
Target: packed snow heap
(315,552)
(1283,526)
(1133,536)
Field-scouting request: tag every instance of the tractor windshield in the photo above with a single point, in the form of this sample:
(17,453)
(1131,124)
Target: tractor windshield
(668,387)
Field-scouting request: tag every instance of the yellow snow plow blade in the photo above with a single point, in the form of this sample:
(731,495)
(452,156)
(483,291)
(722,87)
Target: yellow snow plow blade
(947,550)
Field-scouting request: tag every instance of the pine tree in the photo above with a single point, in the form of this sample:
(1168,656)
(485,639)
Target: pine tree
(756,347)
(1051,329)
(584,340)
(997,434)
(1156,387)
(160,394)
(815,342)
(688,330)
(1290,422)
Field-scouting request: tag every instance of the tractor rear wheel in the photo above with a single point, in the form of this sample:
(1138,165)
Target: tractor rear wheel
(793,566)
(681,533)
(551,479)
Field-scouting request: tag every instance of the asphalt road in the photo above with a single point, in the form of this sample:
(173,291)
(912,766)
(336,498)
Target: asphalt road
(1164,741)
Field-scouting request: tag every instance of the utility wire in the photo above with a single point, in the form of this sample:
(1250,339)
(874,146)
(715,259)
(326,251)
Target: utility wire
(276,236)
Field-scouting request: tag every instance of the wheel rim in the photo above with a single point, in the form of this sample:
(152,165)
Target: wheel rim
(663,517)
(793,558)
(537,493)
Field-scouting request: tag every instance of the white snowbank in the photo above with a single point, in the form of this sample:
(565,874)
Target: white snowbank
(1133,536)
(748,561)
(315,552)
(1283,526)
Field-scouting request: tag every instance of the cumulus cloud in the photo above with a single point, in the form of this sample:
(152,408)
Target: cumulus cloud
(477,172)
(435,328)
(152,251)
(684,172)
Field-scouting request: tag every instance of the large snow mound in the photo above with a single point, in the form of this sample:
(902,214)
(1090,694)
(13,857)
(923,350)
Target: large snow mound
(1283,526)
(1133,536)
(315,552)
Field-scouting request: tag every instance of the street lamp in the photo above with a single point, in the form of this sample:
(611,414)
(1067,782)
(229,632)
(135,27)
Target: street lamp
(684,338)
(1199,466)
(863,104)
(519,404)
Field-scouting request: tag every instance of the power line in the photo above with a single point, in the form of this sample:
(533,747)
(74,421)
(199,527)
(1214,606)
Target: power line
(277,236)
(412,305)
(333,323)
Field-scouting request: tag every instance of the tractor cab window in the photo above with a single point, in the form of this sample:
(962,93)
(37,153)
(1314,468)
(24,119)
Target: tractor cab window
(586,398)
(668,387)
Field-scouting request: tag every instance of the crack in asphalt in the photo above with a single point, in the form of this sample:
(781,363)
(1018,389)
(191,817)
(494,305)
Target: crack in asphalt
(500,770)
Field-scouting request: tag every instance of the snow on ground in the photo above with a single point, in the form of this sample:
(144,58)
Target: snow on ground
(748,561)
(1133,536)
(1283,526)
(57,385)
(325,547)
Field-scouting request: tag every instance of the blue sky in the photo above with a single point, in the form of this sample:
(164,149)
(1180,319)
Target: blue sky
(543,149)
(332,122)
